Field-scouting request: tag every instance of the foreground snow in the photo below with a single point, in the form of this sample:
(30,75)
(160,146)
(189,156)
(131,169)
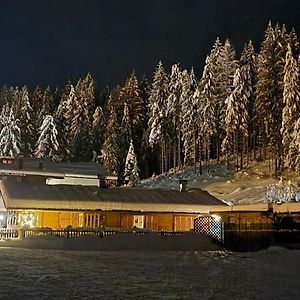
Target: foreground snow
(52,274)
(117,242)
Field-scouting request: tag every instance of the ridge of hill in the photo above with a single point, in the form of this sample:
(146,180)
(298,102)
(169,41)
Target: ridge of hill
(244,187)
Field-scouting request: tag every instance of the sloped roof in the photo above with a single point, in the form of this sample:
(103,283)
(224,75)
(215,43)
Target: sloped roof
(55,168)
(30,195)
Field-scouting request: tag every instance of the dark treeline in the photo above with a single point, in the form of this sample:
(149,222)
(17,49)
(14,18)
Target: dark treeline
(241,109)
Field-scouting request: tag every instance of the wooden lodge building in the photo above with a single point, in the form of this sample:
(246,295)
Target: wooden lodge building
(60,195)
(37,204)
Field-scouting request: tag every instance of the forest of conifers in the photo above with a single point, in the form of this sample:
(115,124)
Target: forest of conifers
(240,109)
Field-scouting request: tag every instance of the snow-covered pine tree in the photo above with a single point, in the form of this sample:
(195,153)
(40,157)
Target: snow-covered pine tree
(83,107)
(224,70)
(98,121)
(16,99)
(37,101)
(111,145)
(294,149)
(130,113)
(64,98)
(205,100)
(248,65)
(236,120)
(143,150)
(47,145)
(158,123)
(131,167)
(131,95)
(47,106)
(64,120)
(89,94)
(4,116)
(126,127)
(291,99)
(26,124)
(269,91)
(4,96)
(10,137)
(189,111)
(174,111)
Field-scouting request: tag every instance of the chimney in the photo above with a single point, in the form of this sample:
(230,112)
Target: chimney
(183,185)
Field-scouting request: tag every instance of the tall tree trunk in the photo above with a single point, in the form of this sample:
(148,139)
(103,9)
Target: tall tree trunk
(200,158)
(179,150)
(195,154)
(174,153)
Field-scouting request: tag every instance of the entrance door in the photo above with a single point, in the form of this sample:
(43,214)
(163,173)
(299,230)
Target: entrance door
(138,221)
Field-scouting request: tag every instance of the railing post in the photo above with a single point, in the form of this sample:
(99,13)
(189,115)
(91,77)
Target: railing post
(21,233)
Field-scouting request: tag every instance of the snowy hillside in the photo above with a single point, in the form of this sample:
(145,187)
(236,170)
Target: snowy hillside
(244,187)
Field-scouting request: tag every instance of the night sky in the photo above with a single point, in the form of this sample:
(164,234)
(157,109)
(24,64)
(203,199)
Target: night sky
(47,42)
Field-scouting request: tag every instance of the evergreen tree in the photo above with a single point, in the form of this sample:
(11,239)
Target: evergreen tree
(37,100)
(26,124)
(16,101)
(294,149)
(81,130)
(269,90)
(131,167)
(131,115)
(111,146)
(131,95)
(291,99)
(248,66)
(158,116)
(188,117)
(47,145)
(236,120)
(4,116)
(10,137)
(64,120)
(224,69)
(174,111)
(205,100)
(142,148)
(126,128)
(4,96)
(98,121)
(47,106)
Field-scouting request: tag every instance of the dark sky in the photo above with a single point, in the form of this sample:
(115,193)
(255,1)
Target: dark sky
(48,41)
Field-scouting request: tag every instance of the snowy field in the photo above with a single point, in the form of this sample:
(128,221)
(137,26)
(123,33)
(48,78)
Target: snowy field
(52,274)
(245,187)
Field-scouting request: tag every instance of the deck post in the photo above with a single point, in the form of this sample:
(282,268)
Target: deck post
(21,233)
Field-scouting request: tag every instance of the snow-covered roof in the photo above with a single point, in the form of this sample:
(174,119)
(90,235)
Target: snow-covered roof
(287,207)
(39,196)
(47,166)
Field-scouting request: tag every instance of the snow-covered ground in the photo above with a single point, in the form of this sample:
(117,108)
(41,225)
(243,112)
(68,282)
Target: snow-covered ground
(117,242)
(51,274)
(245,187)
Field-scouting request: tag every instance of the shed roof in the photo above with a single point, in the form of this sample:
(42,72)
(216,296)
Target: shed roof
(30,195)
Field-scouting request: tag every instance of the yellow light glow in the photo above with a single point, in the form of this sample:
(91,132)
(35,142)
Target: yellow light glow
(27,220)
(216,217)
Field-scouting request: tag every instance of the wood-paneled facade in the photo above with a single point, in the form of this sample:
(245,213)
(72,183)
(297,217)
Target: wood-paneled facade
(126,220)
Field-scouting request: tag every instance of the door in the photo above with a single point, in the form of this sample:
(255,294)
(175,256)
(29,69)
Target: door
(138,221)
